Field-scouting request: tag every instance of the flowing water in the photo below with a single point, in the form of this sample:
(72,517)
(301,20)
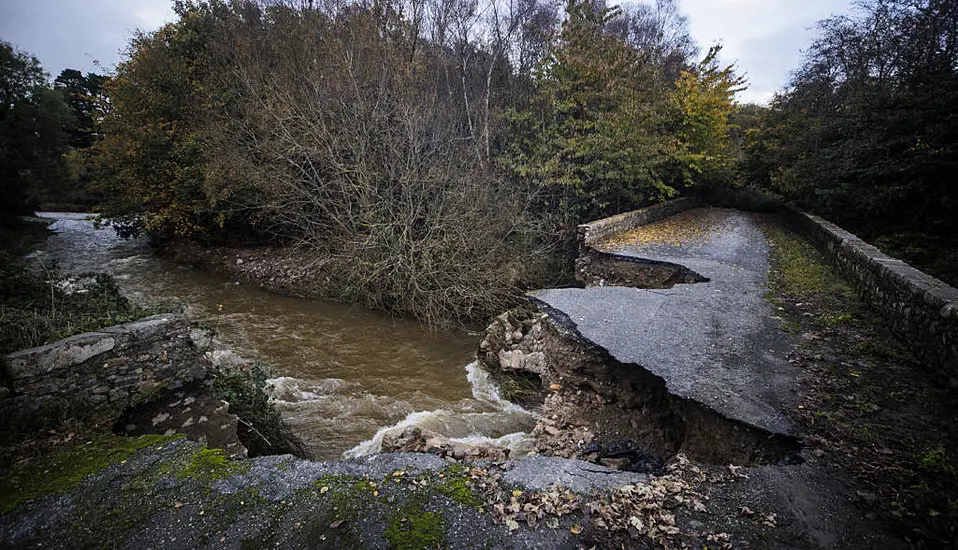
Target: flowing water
(345,376)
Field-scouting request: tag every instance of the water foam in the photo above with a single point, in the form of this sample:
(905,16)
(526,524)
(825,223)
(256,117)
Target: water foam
(375,444)
(444,421)
(485,390)
(289,390)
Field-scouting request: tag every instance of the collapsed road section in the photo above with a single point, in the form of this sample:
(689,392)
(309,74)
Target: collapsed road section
(635,375)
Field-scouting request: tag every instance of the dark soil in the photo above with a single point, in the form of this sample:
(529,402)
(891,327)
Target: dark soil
(621,415)
(603,269)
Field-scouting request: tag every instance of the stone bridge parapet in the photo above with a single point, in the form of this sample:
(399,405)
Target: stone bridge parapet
(921,308)
(113,368)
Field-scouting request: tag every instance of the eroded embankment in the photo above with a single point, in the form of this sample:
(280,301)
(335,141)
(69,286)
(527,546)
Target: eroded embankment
(599,409)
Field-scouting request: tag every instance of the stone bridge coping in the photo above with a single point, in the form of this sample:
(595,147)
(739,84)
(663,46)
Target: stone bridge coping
(594,232)
(62,354)
(934,291)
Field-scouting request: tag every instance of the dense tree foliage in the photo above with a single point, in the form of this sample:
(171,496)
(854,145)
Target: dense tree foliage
(150,162)
(433,154)
(624,118)
(85,97)
(32,137)
(44,133)
(867,132)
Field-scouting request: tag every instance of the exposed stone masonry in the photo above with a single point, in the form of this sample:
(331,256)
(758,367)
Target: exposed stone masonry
(923,309)
(600,230)
(114,368)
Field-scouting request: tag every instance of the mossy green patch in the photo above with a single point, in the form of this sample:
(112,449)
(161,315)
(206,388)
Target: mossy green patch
(104,517)
(835,319)
(65,468)
(211,464)
(935,460)
(345,501)
(347,496)
(455,484)
(792,327)
(800,268)
(413,528)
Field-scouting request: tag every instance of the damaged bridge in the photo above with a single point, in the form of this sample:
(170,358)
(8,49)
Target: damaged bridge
(670,346)
(716,341)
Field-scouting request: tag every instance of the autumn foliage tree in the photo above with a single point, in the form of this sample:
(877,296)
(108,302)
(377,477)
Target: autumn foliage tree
(432,156)
(703,101)
(151,162)
(612,129)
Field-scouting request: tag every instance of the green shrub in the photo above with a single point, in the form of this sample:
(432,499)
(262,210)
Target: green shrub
(261,426)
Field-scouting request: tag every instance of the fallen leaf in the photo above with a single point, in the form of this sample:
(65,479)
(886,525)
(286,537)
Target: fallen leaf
(178,505)
(336,523)
(576,529)
(512,524)
(323,489)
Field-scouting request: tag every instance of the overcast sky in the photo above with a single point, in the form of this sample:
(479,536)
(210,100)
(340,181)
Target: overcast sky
(763,37)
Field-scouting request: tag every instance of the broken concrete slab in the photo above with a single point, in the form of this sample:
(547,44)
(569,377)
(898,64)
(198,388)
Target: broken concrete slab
(717,343)
(542,472)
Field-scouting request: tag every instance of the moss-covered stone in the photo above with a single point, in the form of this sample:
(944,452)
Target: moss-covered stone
(68,466)
(211,464)
(414,528)
(454,483)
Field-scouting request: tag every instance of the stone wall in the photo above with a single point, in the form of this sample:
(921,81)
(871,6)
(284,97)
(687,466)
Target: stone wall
(923,309)
(109,369)
(599,230)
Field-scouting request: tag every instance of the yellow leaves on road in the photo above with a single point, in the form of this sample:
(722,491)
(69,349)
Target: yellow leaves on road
(687,229)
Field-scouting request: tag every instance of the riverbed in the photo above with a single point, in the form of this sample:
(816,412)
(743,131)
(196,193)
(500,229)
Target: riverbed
(343,376)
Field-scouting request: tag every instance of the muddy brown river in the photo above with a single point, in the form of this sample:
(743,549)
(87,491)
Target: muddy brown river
(344,376)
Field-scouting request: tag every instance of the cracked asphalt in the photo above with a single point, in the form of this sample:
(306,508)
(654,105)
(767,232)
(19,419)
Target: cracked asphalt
(719,342)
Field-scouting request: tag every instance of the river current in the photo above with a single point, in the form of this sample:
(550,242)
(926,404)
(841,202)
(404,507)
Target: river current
(344,376)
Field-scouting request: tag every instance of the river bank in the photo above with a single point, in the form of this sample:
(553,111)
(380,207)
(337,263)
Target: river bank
(340,373)
(286,271)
